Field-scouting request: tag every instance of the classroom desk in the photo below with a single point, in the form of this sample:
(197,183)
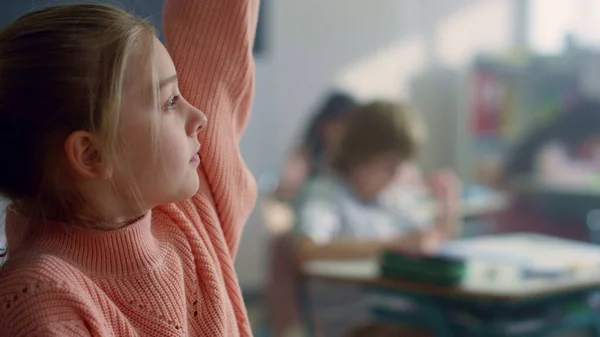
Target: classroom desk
(366,272)
(477,307)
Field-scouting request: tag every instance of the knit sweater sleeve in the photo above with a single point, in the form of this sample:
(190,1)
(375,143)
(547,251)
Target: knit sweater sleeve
(210,42)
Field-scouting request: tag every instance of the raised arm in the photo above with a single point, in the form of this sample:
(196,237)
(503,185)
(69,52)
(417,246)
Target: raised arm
(210,42)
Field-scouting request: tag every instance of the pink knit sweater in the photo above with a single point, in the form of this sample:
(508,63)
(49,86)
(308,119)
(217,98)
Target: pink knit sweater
(171,273)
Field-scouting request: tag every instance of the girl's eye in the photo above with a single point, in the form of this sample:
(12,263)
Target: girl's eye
(171,102)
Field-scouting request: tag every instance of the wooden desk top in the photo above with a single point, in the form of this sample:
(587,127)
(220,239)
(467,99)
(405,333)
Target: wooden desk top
(506,286)
(329,271)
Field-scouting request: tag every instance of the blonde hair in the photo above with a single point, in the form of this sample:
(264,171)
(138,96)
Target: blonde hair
(62,69)
(377,128)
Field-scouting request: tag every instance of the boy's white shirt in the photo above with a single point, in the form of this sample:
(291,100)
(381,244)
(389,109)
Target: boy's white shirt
(327,209)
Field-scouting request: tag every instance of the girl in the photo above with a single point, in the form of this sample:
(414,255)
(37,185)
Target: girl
(325,130)
(126,203)
(321,137)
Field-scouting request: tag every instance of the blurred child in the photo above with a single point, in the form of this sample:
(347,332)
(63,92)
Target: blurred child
(312,157)
(320,139)
(557,166)
(566,147)
(343,214)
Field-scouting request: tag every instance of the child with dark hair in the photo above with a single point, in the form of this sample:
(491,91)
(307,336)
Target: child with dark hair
(319,141)
(325,129)
(574,136)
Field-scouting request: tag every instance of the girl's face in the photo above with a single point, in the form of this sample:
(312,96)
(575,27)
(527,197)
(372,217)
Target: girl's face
(164,169)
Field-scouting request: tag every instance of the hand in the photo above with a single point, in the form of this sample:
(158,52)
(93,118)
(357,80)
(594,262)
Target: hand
(445,187)
(294,173)
(420,242)
(409,174)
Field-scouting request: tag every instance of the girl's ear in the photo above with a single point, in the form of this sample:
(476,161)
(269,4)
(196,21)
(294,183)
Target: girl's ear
(83,156)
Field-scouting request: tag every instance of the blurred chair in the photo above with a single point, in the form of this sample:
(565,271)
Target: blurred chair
(283,280)
(592,222)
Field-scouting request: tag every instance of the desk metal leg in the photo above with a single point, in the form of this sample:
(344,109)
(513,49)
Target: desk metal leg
(308,320)
(442,326)
(595,330)
(430,314)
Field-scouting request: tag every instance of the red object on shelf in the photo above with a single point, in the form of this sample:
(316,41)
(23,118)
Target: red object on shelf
(488,94)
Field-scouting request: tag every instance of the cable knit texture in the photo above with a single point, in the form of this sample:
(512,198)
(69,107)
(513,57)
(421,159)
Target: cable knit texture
(170,273)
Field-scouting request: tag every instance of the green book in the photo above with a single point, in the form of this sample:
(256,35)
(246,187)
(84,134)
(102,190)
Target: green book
(440,270)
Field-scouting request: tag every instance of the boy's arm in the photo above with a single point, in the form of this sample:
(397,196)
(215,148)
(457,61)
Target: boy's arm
(340,249)
(414,242)
(210,42)
(446,189)
(319,225)
(450,221)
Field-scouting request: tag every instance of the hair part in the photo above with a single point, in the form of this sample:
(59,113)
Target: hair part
(63,69)
(376,128)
